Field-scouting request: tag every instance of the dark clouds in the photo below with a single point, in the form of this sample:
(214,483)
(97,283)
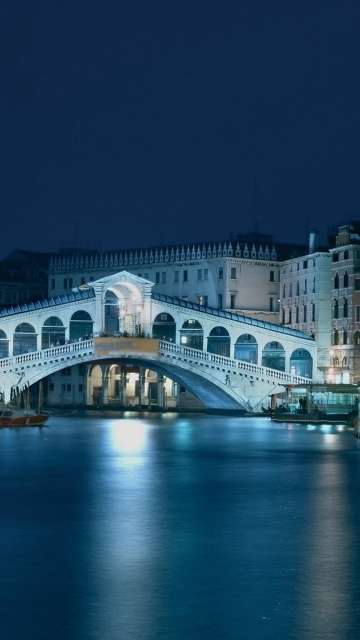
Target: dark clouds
(133,123)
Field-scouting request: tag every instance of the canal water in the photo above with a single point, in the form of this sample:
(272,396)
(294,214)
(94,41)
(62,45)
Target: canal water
(179,527)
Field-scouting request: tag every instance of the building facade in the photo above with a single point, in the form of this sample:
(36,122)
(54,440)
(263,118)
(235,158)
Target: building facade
(225,275)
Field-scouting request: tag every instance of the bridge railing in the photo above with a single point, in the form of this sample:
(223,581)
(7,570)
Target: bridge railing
(165,348)
(43,354)
(240,365)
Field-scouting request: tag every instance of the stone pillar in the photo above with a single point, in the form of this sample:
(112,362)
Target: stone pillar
(105,383)
(98,326)
(122,388)
(161,391)
(141,386)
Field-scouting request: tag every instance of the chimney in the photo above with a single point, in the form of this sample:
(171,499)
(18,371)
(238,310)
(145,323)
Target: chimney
(313,241)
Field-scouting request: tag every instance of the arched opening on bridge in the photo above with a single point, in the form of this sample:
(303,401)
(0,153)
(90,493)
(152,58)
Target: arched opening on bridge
(219,342)
(52,333)
(25,339)
(111,310)
(95,385)
(192,335)
(246,348)
(273,356)
(301,363)
(4,345)
(164,327)
(81,326)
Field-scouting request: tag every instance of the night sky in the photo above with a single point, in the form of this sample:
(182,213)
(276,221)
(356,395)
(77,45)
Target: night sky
(138,123)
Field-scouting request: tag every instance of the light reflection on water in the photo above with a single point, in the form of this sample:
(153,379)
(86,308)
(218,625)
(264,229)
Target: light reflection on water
(176,527)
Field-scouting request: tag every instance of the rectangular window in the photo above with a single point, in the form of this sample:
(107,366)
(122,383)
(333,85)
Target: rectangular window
(272,276)
(53,283)
(313,313)
(65,283)
(51,386)
(206,274)
(82,281)
(14,296)
(232,300)
(220,300)
(233,273)
(70,283)
(157,277)
(163,277)
(271,304)
(68,387)
(205,298)
(199,276)
(185,275)
(305,264)
(25,296)
(2,295)
(357,284)
(221,273)
(357,313)
(176,276)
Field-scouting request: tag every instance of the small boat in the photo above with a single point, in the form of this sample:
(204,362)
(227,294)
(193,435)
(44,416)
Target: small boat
(12,417)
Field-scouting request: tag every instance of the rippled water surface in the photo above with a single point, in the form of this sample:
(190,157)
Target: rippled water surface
(175,527)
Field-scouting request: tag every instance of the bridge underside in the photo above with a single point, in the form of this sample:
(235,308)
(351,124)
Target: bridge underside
(209,393)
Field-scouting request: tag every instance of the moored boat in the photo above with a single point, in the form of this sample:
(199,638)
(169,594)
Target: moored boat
(22,418)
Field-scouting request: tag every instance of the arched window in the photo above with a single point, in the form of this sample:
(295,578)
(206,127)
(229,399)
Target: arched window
(336,281)
(345,309)
(314,286)
(81,326)
(273,356)
(345,337)
(290,289)
(297,288)
(219,342)
(305,286)
(313,312)
(284,290)
(336,337)
(164,327)
(246,348)
(297,315)
(192,334)
(301,361)
(305,313)
(346,279)
(25,339)
(52,333)
(4,345)
(336,309)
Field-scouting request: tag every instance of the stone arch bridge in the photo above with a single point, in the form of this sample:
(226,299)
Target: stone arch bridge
(227,360)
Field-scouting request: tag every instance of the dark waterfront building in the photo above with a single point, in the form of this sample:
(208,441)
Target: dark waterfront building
(23,277)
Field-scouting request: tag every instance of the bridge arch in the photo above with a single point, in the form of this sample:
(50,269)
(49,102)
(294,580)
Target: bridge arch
(81,325)
(246,348)
(52,332)
(301,363)
(219,342)
(273,356)
(25,339)
(164,327)
(192,334)
(111,311)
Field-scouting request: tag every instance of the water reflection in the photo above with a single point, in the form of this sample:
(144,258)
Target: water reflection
(179,527)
